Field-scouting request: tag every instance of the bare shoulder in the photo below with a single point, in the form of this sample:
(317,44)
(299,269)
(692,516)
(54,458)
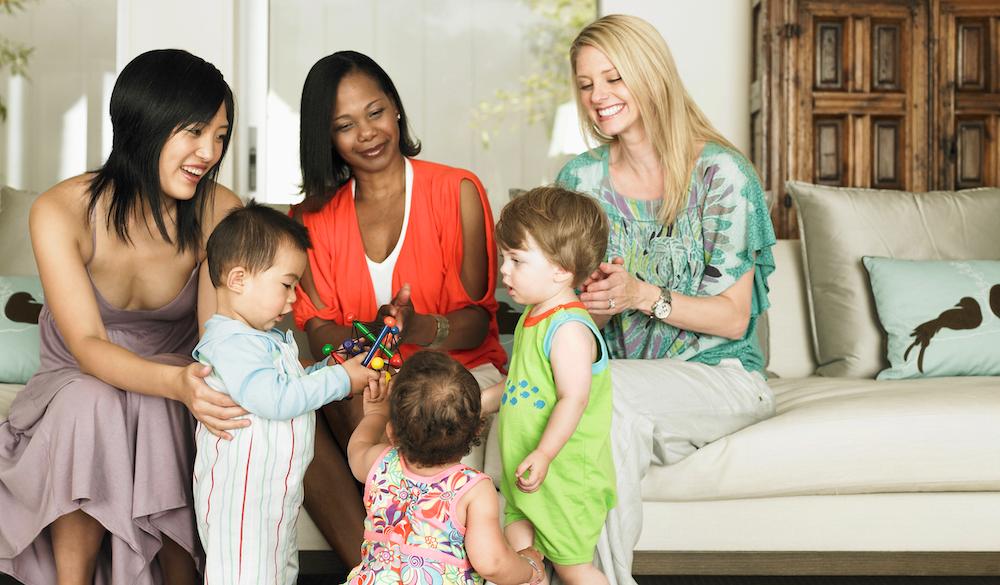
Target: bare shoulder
(483,494)
(64,206)
(223,202)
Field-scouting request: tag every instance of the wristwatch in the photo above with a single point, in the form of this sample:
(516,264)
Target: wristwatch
(662,307)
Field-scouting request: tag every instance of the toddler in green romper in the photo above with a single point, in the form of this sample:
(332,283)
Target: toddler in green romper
(554,424)
(569,509)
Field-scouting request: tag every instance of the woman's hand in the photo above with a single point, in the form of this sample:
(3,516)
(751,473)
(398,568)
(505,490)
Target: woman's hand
(599,275)
(611,290)
(213,409)
(399,308)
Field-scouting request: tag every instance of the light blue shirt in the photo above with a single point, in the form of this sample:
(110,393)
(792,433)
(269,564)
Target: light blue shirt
(260,370)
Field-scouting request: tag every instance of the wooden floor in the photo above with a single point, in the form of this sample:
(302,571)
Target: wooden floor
(732,580)
(323,568)
(759,580)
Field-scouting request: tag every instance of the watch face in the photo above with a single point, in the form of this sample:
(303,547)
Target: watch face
(661,308)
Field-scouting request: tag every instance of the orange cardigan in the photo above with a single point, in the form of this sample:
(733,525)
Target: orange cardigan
(430,259)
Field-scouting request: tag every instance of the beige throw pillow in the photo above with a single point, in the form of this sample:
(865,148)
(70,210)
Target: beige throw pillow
(840,225)
(16,257)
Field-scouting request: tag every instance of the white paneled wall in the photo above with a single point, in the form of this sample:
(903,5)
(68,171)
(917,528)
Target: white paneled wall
(206,28)
(444,56)
(710,41)
(56,118)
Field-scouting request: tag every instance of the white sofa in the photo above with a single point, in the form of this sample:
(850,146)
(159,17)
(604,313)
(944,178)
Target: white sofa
(850,477)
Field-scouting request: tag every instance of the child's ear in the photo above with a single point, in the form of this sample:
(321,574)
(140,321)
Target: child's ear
(563,276)
(236,279)
(390,433)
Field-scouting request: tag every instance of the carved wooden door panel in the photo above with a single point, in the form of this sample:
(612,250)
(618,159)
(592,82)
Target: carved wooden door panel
(894,94)
(861,112)
(967,109)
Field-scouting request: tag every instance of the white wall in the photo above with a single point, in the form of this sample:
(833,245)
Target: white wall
(710,41)
(205,28)
(56,125)
(444,56)
(58,120)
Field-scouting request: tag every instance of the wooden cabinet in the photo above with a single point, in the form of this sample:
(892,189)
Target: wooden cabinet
(893,94)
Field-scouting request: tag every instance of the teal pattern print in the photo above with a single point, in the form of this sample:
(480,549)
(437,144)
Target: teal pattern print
(723,231)
(519,391)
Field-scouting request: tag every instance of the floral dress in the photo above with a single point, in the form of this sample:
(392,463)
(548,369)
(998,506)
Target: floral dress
(723,231)
(411,535)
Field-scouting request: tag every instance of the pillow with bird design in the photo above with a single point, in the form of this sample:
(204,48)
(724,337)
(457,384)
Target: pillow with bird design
(942,317)
(21,300)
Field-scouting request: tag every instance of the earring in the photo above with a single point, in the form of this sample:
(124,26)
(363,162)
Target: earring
(397,116)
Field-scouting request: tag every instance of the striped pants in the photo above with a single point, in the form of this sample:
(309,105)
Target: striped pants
(248,492)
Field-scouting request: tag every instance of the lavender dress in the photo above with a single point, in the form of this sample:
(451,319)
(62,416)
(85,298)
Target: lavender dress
(74,442)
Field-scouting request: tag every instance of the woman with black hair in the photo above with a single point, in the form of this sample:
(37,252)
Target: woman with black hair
(392,235)
(96,457)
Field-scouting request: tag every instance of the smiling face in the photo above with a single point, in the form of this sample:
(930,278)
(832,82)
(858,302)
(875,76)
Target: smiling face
(190,153)
(263,298)
(530,277)
(364,125)
(607,100)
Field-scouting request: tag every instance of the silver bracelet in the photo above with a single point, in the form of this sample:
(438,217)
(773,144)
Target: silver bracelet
(441,333)
(537,576)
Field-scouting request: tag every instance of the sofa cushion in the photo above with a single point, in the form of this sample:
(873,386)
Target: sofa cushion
(839,226)
(790,339)
(17,258)
(848,436)
(942,317)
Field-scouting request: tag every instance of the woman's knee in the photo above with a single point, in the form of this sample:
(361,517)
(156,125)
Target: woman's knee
(87,397)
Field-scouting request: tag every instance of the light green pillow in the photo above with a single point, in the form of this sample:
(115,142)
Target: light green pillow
(20,298)
(942,316)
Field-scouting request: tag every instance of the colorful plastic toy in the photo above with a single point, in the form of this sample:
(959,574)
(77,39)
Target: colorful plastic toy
(381,350)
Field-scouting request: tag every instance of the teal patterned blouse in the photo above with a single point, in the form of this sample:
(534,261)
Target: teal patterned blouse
(724,231)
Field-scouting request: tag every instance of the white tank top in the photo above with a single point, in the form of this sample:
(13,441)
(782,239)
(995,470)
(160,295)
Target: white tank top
(381,272)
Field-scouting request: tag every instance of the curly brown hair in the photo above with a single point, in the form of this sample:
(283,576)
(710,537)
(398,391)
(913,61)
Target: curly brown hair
(435,409)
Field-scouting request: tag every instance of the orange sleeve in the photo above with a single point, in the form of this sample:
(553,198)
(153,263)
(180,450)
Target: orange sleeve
(321,269)
(453,240)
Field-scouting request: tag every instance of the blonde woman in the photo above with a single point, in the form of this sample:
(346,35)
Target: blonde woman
(690,249)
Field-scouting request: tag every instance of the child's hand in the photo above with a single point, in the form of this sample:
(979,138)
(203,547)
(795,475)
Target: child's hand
(536,560)
(378,388)
(532,471)
(359,374)
(375,397)
(491,398)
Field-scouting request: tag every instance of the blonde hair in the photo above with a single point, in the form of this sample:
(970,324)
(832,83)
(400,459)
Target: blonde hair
(569,228)
(673,123)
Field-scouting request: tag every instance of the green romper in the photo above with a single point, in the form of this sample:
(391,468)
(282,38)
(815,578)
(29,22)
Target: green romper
(569,509)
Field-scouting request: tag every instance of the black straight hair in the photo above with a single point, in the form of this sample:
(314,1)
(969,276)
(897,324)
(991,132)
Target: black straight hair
(249,237)
(156,94)
(323,169)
